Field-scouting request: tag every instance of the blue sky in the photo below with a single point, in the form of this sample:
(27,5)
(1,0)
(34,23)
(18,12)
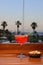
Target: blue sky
(12,10)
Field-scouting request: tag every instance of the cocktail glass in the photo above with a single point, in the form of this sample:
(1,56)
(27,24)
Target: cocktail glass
(21,39)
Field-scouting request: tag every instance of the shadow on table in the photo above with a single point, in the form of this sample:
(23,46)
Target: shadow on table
(35,60)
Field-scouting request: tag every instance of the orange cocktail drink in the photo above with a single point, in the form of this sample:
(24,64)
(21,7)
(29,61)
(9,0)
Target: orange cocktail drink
(21,39)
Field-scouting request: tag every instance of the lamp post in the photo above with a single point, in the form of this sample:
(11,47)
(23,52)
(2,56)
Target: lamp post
(23,15)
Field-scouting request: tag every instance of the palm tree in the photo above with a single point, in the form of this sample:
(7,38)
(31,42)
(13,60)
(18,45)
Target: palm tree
(35,34)
(18,23)
(4,24)
(34,25)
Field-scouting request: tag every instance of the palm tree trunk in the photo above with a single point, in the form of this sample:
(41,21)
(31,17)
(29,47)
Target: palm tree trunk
(17,30)
(33,30)
(3,31)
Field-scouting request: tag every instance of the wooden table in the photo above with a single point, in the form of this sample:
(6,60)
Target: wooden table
(8,54)
(11,59)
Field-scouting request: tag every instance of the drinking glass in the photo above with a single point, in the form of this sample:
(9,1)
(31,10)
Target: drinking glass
(21,39)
